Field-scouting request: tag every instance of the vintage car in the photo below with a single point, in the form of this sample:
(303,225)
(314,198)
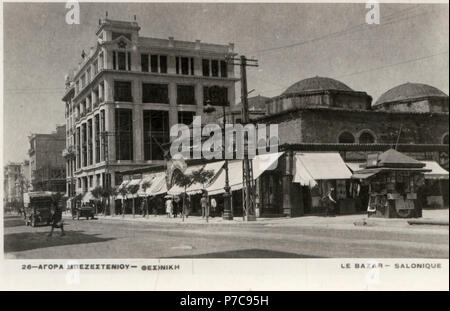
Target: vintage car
(37,208)
(83,211)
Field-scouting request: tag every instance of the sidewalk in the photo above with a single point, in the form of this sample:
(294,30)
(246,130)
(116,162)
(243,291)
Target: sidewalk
(344,221)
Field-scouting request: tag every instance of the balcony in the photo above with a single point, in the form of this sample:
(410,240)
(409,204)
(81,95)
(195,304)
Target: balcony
(68,152)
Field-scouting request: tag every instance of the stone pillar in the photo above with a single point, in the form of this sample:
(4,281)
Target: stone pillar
(109,123)
(292,203)
(199,98)
(173,109)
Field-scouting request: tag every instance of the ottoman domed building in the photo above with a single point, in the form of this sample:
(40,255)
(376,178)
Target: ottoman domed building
(326,130)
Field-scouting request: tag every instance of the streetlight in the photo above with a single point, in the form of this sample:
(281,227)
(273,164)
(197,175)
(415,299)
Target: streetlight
(227,214)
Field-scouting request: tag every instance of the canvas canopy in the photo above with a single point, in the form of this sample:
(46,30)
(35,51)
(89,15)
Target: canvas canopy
(215,167)
(261,163)
(176,190)
(437,172)
(312,166)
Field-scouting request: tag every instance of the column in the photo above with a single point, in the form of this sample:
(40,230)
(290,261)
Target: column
(199,98)
(292,205)
(173,109)
(109,123)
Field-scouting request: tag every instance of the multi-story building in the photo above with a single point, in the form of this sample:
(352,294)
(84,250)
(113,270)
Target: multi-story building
(11,183)
(47,165)
(126,94)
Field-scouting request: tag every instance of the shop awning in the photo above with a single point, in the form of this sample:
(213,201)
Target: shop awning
(354,166)
(132,183)
(158,186)
(363,174)
(312,166)
(145,179)
(215,167)
(261,163)
(437,172)
(176,190)
(121,186)
(87,197)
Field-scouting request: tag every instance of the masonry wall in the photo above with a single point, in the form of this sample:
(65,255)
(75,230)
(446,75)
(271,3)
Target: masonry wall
(325,126)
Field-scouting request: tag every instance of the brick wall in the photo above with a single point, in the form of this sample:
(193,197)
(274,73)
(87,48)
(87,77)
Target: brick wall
(325,125)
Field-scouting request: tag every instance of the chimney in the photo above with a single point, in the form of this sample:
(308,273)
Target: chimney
(170,42)
(197,44)
(230,47)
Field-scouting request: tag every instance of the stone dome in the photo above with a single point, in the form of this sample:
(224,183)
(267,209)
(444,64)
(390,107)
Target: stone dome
(409,91)
(316,84)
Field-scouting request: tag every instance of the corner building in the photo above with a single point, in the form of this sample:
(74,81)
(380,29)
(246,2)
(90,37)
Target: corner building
(125,95)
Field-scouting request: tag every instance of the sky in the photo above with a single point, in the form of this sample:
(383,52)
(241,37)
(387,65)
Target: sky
(291,42)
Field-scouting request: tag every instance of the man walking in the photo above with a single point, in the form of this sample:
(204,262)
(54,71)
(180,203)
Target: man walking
(57,219)
(213,207)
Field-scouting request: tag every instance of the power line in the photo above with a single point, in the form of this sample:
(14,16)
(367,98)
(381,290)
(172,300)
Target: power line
(379,68)
(344,31)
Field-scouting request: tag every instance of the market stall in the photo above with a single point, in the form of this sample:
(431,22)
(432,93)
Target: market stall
(393,179)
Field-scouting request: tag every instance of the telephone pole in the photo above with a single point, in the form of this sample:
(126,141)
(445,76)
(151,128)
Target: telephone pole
(248,197)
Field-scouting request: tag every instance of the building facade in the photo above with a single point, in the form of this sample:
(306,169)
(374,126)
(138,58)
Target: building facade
(126,94)
(323,115)
(12,183)
(46,163)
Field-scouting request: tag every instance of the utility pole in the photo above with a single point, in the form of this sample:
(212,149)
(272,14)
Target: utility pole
(105,137)
(247,172)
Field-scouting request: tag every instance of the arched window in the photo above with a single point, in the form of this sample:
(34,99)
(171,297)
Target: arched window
(445,139)
(366,138)
(346,138)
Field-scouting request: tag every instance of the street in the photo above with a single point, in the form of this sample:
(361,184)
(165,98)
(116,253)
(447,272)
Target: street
(303,237)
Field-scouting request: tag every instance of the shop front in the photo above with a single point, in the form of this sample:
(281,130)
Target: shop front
(393,179)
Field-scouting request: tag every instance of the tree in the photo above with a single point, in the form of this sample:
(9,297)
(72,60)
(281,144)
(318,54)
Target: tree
(97,194)
(107,193)
(145,185)
(133,189)
(199,176)
(123,192)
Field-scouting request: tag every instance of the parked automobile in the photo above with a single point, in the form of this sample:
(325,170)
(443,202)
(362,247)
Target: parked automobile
(37,208)
(85,210)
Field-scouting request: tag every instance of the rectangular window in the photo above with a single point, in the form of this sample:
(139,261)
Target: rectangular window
(223,69)
(121,60)
(97,137)
(156,133)
(114,61)
(215,68)
(185,95)
(89,142)
(144,62)
(192,66)
(205,67)
(84,145)
(124,134)
(163,63)
(154,63)
(155,93)
(122,91)
(78,151)
(177,65)
(186,117)
(218,96)
(103,127)
(184,65)
(129,61)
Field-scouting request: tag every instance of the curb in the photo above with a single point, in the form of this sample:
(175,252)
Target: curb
(428,222)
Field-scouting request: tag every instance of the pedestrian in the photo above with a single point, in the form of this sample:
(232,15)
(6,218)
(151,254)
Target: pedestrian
(205,206)
(57,221)
(213,207)
(144,207)
(332,203)
(169,207)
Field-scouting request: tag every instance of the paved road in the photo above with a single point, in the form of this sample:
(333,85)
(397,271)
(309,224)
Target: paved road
(103,238)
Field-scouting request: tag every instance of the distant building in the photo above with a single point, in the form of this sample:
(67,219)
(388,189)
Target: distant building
(47,165)
(125,95)
(256,109)
(11,183)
